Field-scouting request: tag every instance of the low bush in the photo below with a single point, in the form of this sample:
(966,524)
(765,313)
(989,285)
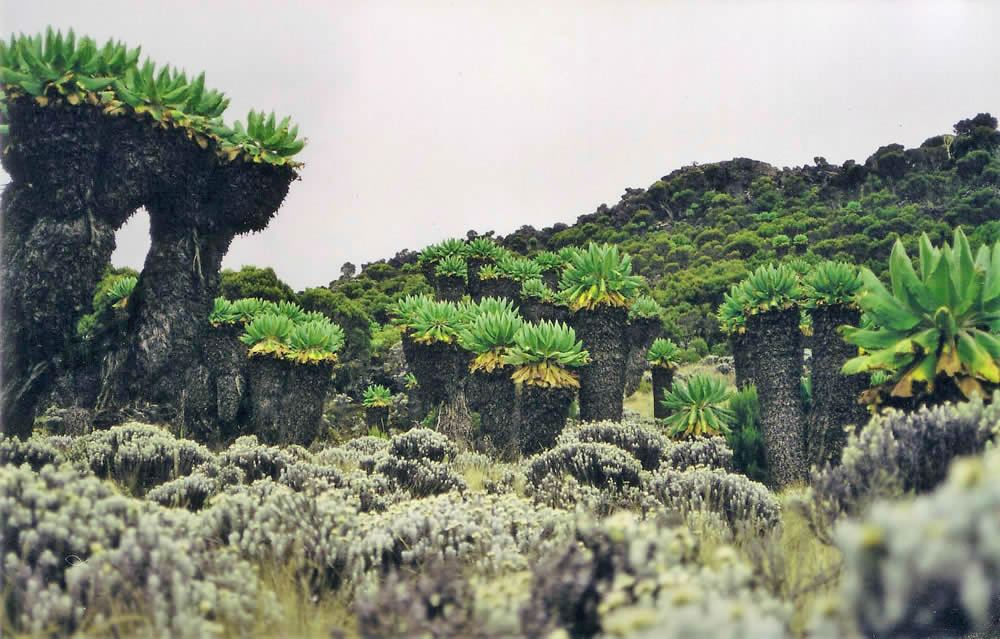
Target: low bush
(643,443)
(745,505)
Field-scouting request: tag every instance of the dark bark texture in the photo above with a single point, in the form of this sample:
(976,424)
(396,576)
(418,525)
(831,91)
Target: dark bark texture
(543,416)
(215,385)
(663,378)
(501,287)
(742,360)
(775,343)
(602,382)
(285,400)
(551,279)
(493,396)
(377,417)
(640,332)
(449,289)
(439,368)
(535,311)
(835,396)
(474,282)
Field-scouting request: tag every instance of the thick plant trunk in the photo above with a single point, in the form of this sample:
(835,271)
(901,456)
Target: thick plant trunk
(455,419)
(215,387)
(436,366)
(377,417)
(535,311)
(474,283)
(502,288)
(56,245)
(285,399)
(449,289)
(551,279)
(775,342)
(543,415)
(742,360)
(493,396)
(835,396)
(663,378)
(641,333)
(602,382)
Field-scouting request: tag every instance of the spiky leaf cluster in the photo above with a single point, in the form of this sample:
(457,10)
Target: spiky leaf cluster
(452,266)
(315,341)
(772,287)
(599,276)
(832,283)
(222,312)
(376,396)
(268,334)
(732,318)
(644,307)
(404,312)
(452,247)
(936,323)
(435,321)
(483,248)
(698,407)
(489,272)
(663,353)
(537,290)
(543,352)
(63,69)
(120,291)
(549,261)
(519,269)
(489,335)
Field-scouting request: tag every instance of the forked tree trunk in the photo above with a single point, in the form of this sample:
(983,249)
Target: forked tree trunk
(641,333)
(663,378)
(775,344)
(835,404)
(602,381)
(543,414)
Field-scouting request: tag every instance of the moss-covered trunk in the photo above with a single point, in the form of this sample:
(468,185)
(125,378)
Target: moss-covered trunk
(742,360)
(543,416)
(835,396)
(536,310)
(641,333)
(663,378)
(602,381)
(56,244)
(285,400)
(493,396)
(775,344)
(449,289)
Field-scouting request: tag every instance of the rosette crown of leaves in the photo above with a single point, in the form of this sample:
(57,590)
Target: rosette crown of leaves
(262,138)
(483,248)
(435,321)
(936,322)
(543,352)
(664,353)
(315,341)
(120,291)
(376,396)
(537,290)
(644,307)
(698,407)
(831,283)
(268,334)
(772,287)
(490,335)
(599,276)
(452,266)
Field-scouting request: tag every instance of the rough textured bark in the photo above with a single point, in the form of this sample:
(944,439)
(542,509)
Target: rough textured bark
(454,417)
(535,311)
(450,289)
(775,343)
(493,396)
(835,396)
(285,400)
(742,360)
(663,378)
(602,382)
(474,282)
(437,367)
(56,244)
(215,386)
(551,279)
(377,417)
(501,287)
(641,333)
(543,416)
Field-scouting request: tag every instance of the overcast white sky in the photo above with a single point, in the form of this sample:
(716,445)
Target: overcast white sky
(426,119)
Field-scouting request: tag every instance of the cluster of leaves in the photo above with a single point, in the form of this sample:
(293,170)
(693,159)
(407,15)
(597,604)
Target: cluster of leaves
(544,353)
(490,335)
(938,322)
(599,276)
(644,307)
(832,283)
(55,68)
(376,396)
(536,289)
(698,406)
(519,269)
(663,353)
(452,266)
(283,330)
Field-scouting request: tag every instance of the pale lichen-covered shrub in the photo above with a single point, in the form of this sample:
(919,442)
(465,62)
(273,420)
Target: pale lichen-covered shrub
(492,533)
(711,452)
(140,456)
(349,458)
(374,492)
(743,504)
(367,444)
(422,443)
(256,460)
(929,567)
(180,586)
(642,442)
(568,493)
(593,464)
(267,522)
(35,451)
(901,453)
(50,521)
(303,474)
(420,477)
(194,490)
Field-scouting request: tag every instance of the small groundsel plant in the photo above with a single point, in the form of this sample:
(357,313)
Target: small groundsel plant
(535,289)
(544,353)
(121,290)
(599,276)
(490,336)
(698,407)
(376,396)
(663,354)
(936,323)
(644,307)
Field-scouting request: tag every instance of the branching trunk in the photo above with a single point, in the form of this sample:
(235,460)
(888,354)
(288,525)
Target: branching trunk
(775,345)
